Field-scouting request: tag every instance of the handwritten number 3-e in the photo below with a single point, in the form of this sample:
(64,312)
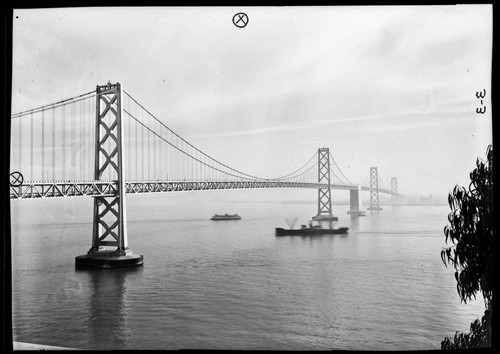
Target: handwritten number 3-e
(481,95)
(478,110)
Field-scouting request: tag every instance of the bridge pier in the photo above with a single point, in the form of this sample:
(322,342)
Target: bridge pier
(355,202)
(110,218)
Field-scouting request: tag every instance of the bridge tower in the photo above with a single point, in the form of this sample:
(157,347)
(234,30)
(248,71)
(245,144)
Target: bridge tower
(394,188)
(110,218)
(374,203)
(324,194)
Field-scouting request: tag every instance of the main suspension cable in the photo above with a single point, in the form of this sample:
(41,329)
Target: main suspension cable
(54,105)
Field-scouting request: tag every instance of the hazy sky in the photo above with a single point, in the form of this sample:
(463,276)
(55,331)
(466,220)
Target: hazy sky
(392,87)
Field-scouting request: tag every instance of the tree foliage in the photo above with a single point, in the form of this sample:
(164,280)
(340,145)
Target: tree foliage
(470,231)
(478,337)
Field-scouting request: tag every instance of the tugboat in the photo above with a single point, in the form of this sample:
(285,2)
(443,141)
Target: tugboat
(226,217)
(310,231)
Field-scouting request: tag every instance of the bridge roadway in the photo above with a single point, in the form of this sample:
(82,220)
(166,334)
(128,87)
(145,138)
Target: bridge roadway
(58,189)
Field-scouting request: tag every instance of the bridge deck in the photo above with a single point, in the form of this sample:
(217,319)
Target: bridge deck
(58,189)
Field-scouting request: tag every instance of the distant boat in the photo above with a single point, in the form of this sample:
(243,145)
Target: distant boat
(311,230)
(226,217)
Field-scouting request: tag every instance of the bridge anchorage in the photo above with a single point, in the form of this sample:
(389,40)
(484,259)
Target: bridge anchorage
(110,220)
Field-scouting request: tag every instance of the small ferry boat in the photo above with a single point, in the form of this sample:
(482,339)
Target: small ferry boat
(226,217)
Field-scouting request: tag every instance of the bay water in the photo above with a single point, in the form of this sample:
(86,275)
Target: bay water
(233,284)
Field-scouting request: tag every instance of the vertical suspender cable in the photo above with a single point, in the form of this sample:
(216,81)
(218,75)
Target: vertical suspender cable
(88,139)
(136,139)
(86,134)
(136,146)
(43,143)
(72,144)
(146,126)
(170,160)
(92,142)
(31,149)
(80,145)
(78,135)
(142,149)
(154,152)
(174,160)
(82,142)
(160,154)
(53,144)
(177,162)
(63,143)
(20,140)
(88,147)
(183,163)
(149,151)
(161,157)
(129,142)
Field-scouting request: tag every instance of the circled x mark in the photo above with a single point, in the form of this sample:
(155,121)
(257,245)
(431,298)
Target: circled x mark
(16,179)
(240,19)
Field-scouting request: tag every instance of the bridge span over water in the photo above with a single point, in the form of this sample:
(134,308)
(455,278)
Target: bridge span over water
(79,147)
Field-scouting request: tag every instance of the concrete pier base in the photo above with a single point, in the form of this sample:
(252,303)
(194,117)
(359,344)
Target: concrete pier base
(374,208)
(325,218)
(355,202)
(109,259)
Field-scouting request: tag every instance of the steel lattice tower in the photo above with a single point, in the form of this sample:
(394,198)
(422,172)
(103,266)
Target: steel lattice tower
(110,218)
(394,188)
(324,194)
(374,203)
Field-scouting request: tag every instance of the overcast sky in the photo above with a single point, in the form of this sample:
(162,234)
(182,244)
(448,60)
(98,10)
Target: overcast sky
(392,87)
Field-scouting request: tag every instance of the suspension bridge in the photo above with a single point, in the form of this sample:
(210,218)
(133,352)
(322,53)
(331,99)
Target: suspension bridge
(104,144)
